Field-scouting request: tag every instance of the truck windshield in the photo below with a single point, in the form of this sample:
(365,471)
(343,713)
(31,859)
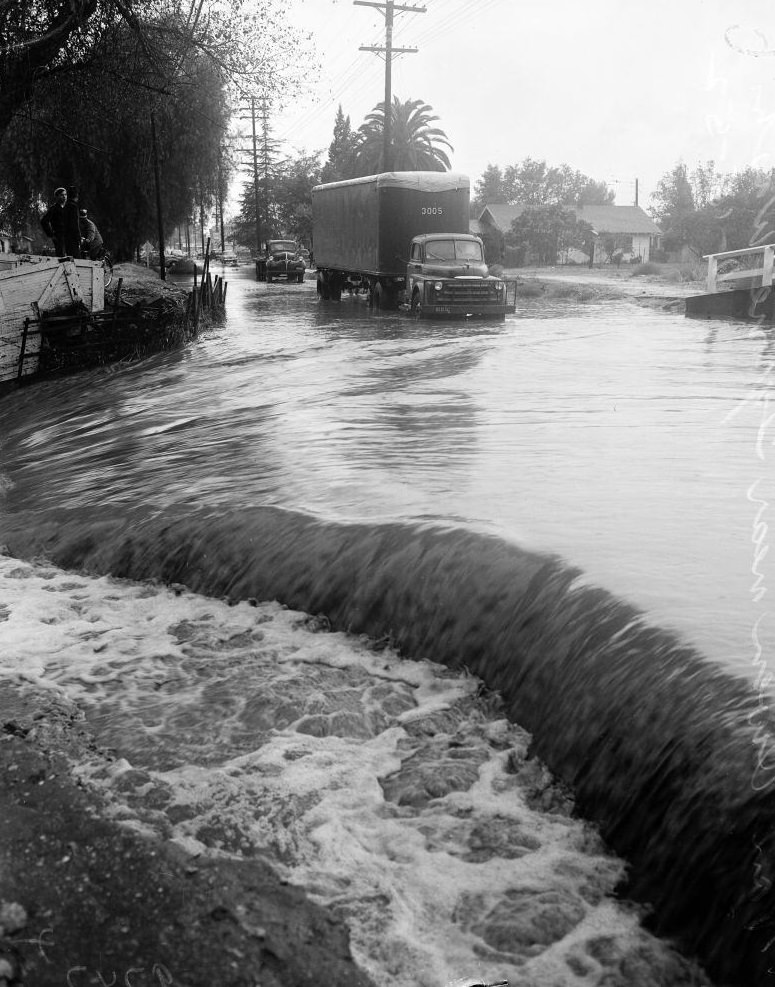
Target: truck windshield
(454,250)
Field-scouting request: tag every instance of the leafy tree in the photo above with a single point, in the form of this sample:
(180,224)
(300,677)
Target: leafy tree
(545,230)
(341,150)
(44,38)
(293,195)
(82,113)
(489,188)
(734,211)
(290,208)
(528,183)
(68,136)
(533,182)
(703,230)
(266,164)
(707,184)
(672,202)
(416,144)
(745,213)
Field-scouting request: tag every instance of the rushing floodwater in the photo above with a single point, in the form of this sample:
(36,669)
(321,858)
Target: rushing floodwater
(628,443)
(626,440)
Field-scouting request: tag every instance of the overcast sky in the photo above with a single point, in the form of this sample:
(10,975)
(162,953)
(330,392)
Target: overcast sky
(619,90)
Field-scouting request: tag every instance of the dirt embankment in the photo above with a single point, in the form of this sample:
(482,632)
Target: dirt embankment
(144,285)
(667,289)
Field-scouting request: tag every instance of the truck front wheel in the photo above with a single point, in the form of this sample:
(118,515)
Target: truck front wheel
(417,305)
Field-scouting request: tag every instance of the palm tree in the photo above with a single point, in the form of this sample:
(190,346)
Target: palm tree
(416,145)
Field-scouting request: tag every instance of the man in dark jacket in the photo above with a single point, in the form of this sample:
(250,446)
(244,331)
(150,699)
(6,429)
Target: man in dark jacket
(53,222)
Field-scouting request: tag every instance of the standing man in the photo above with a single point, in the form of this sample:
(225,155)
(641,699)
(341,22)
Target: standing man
(72,223)
(53,221)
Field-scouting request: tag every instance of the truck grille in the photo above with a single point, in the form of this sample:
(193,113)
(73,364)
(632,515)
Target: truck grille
(462,292)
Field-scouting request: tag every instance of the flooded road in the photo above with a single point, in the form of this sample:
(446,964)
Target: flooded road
(633,443)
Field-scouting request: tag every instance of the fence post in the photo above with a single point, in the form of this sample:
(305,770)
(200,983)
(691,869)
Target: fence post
(712,269)
(769,255)
(23,348)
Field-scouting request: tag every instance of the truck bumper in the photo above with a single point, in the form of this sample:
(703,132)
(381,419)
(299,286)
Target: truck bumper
(431,311)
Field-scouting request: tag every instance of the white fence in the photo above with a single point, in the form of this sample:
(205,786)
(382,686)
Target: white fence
(754,276)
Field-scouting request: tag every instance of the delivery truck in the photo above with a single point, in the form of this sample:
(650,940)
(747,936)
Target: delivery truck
(403,238)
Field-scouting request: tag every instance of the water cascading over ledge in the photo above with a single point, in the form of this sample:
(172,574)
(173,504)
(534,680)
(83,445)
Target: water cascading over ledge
(665,751)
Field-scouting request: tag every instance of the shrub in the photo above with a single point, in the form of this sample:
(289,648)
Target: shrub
(647,268)
(514,256)
(530,289)
(691,272)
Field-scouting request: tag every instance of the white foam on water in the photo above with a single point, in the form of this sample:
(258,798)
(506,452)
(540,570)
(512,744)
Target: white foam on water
(387,788)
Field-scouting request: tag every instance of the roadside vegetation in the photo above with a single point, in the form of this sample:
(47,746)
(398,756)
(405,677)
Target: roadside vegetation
(106,94)
(700,211)
(706,211)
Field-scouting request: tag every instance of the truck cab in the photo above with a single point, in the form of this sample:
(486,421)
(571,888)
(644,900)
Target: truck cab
(447,275)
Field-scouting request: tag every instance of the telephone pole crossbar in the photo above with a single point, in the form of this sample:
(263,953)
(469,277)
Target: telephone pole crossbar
(388,8)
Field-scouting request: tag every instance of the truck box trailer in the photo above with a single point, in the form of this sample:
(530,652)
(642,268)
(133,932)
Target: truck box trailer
(364,233)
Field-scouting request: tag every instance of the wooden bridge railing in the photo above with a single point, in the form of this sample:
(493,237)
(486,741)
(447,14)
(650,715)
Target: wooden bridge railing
(760,275)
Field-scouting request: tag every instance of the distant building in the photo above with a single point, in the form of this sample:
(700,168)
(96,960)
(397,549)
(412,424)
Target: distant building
(627,229)
(18,243)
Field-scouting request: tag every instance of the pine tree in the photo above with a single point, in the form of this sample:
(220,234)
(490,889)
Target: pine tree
(341,150)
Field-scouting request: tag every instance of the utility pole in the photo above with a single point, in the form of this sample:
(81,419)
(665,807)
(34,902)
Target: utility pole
(255,177)
(388,8)
(159,213)
(272,230)
(220,193)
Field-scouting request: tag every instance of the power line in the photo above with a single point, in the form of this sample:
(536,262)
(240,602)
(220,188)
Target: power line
(353,80)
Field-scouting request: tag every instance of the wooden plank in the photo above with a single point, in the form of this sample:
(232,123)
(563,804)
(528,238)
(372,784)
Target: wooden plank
(70,274)
(47,298)
(11,340)
(736,253)
(755,272)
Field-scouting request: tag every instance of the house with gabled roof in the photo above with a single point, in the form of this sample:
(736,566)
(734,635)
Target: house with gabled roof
(628,228)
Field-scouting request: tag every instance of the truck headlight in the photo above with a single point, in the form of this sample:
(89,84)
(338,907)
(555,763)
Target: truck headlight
(438,285)
(498,287)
